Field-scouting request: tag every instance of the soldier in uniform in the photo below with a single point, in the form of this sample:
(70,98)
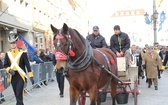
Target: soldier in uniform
(151,62)
(96,40)
(14,63)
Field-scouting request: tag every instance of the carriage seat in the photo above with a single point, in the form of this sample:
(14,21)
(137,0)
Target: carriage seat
(122,70)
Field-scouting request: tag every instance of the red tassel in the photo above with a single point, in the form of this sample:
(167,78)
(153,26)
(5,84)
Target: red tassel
(112,61)
(71,53)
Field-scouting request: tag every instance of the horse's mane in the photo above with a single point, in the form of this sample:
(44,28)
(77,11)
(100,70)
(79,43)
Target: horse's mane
(80,36)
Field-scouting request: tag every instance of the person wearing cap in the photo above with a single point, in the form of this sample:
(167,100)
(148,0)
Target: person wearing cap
(157,50)
(151,62)
(96,40)
(14,63)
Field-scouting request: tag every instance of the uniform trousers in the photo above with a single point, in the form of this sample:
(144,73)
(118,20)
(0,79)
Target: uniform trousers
(18,86)
(60,79)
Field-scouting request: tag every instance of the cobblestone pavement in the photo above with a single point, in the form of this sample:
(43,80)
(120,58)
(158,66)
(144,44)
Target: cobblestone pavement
(49,95)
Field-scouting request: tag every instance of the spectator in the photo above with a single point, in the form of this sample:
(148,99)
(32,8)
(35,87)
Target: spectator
(44,57)
(166,58)
(36,58)
(2,56)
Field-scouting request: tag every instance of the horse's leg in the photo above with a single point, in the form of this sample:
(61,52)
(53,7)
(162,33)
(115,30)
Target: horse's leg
(74,94)
(98,99)
(93,92)
(113,91)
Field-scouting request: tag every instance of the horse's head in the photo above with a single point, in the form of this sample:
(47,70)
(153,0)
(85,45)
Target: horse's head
(63,45)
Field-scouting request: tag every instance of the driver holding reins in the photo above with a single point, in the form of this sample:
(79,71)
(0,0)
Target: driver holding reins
(120,43)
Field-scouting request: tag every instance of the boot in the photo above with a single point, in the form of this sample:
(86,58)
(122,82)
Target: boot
(156,88)
(149,86)
(146,80)
(138,82)
(45,83)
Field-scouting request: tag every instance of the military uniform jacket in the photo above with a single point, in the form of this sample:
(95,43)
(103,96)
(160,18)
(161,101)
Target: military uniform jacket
(151,61)
(22,62)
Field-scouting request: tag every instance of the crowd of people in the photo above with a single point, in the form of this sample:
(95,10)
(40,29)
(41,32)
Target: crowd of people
(151,60)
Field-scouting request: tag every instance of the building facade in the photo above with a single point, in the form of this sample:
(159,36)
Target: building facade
(32,19)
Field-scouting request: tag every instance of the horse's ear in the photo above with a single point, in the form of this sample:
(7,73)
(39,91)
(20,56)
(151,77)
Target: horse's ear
(65,28)
(54,30)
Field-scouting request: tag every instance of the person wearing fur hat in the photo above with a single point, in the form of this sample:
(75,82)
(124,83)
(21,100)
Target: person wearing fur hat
(151,62)
(14,63)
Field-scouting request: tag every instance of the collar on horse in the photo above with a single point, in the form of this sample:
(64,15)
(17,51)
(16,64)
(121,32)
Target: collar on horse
(82,63)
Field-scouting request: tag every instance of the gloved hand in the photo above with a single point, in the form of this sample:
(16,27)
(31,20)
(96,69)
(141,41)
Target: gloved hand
(12,72)
(144,66)
(60,70)
(32,80)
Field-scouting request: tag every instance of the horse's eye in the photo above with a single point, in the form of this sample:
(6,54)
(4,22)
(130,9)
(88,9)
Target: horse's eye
(65,44)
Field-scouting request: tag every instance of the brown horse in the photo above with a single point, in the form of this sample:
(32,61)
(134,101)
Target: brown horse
(84,65)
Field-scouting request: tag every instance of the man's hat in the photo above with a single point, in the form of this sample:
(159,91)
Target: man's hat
(13,37)
(150,47)
(116,27)
(95,28)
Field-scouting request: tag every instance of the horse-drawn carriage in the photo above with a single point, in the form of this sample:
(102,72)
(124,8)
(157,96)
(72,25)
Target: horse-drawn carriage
(127,83)
(93,71)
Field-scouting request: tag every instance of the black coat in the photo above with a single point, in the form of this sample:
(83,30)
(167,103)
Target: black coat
(1,64)
(165,59)
(97,41)
(114,43)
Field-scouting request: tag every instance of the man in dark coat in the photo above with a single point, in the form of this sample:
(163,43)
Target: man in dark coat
(120,44)
(96,40)
(15,62)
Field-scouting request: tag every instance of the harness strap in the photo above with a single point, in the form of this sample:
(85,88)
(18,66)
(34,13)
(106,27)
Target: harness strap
(82,63)
(14,62)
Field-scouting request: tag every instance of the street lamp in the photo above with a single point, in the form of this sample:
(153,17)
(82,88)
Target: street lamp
(154,18)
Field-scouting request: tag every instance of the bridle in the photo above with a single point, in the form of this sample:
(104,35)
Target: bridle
(60,54)
(81,62)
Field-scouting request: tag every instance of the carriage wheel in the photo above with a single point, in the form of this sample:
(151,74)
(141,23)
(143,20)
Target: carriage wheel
(135,90)
(82,99)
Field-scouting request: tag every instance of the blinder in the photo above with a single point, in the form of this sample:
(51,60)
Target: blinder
(60,55)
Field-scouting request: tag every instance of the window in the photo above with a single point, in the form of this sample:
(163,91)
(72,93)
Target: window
(26,4)
(1,46)
(36,39)
(21,1)
(41,40)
